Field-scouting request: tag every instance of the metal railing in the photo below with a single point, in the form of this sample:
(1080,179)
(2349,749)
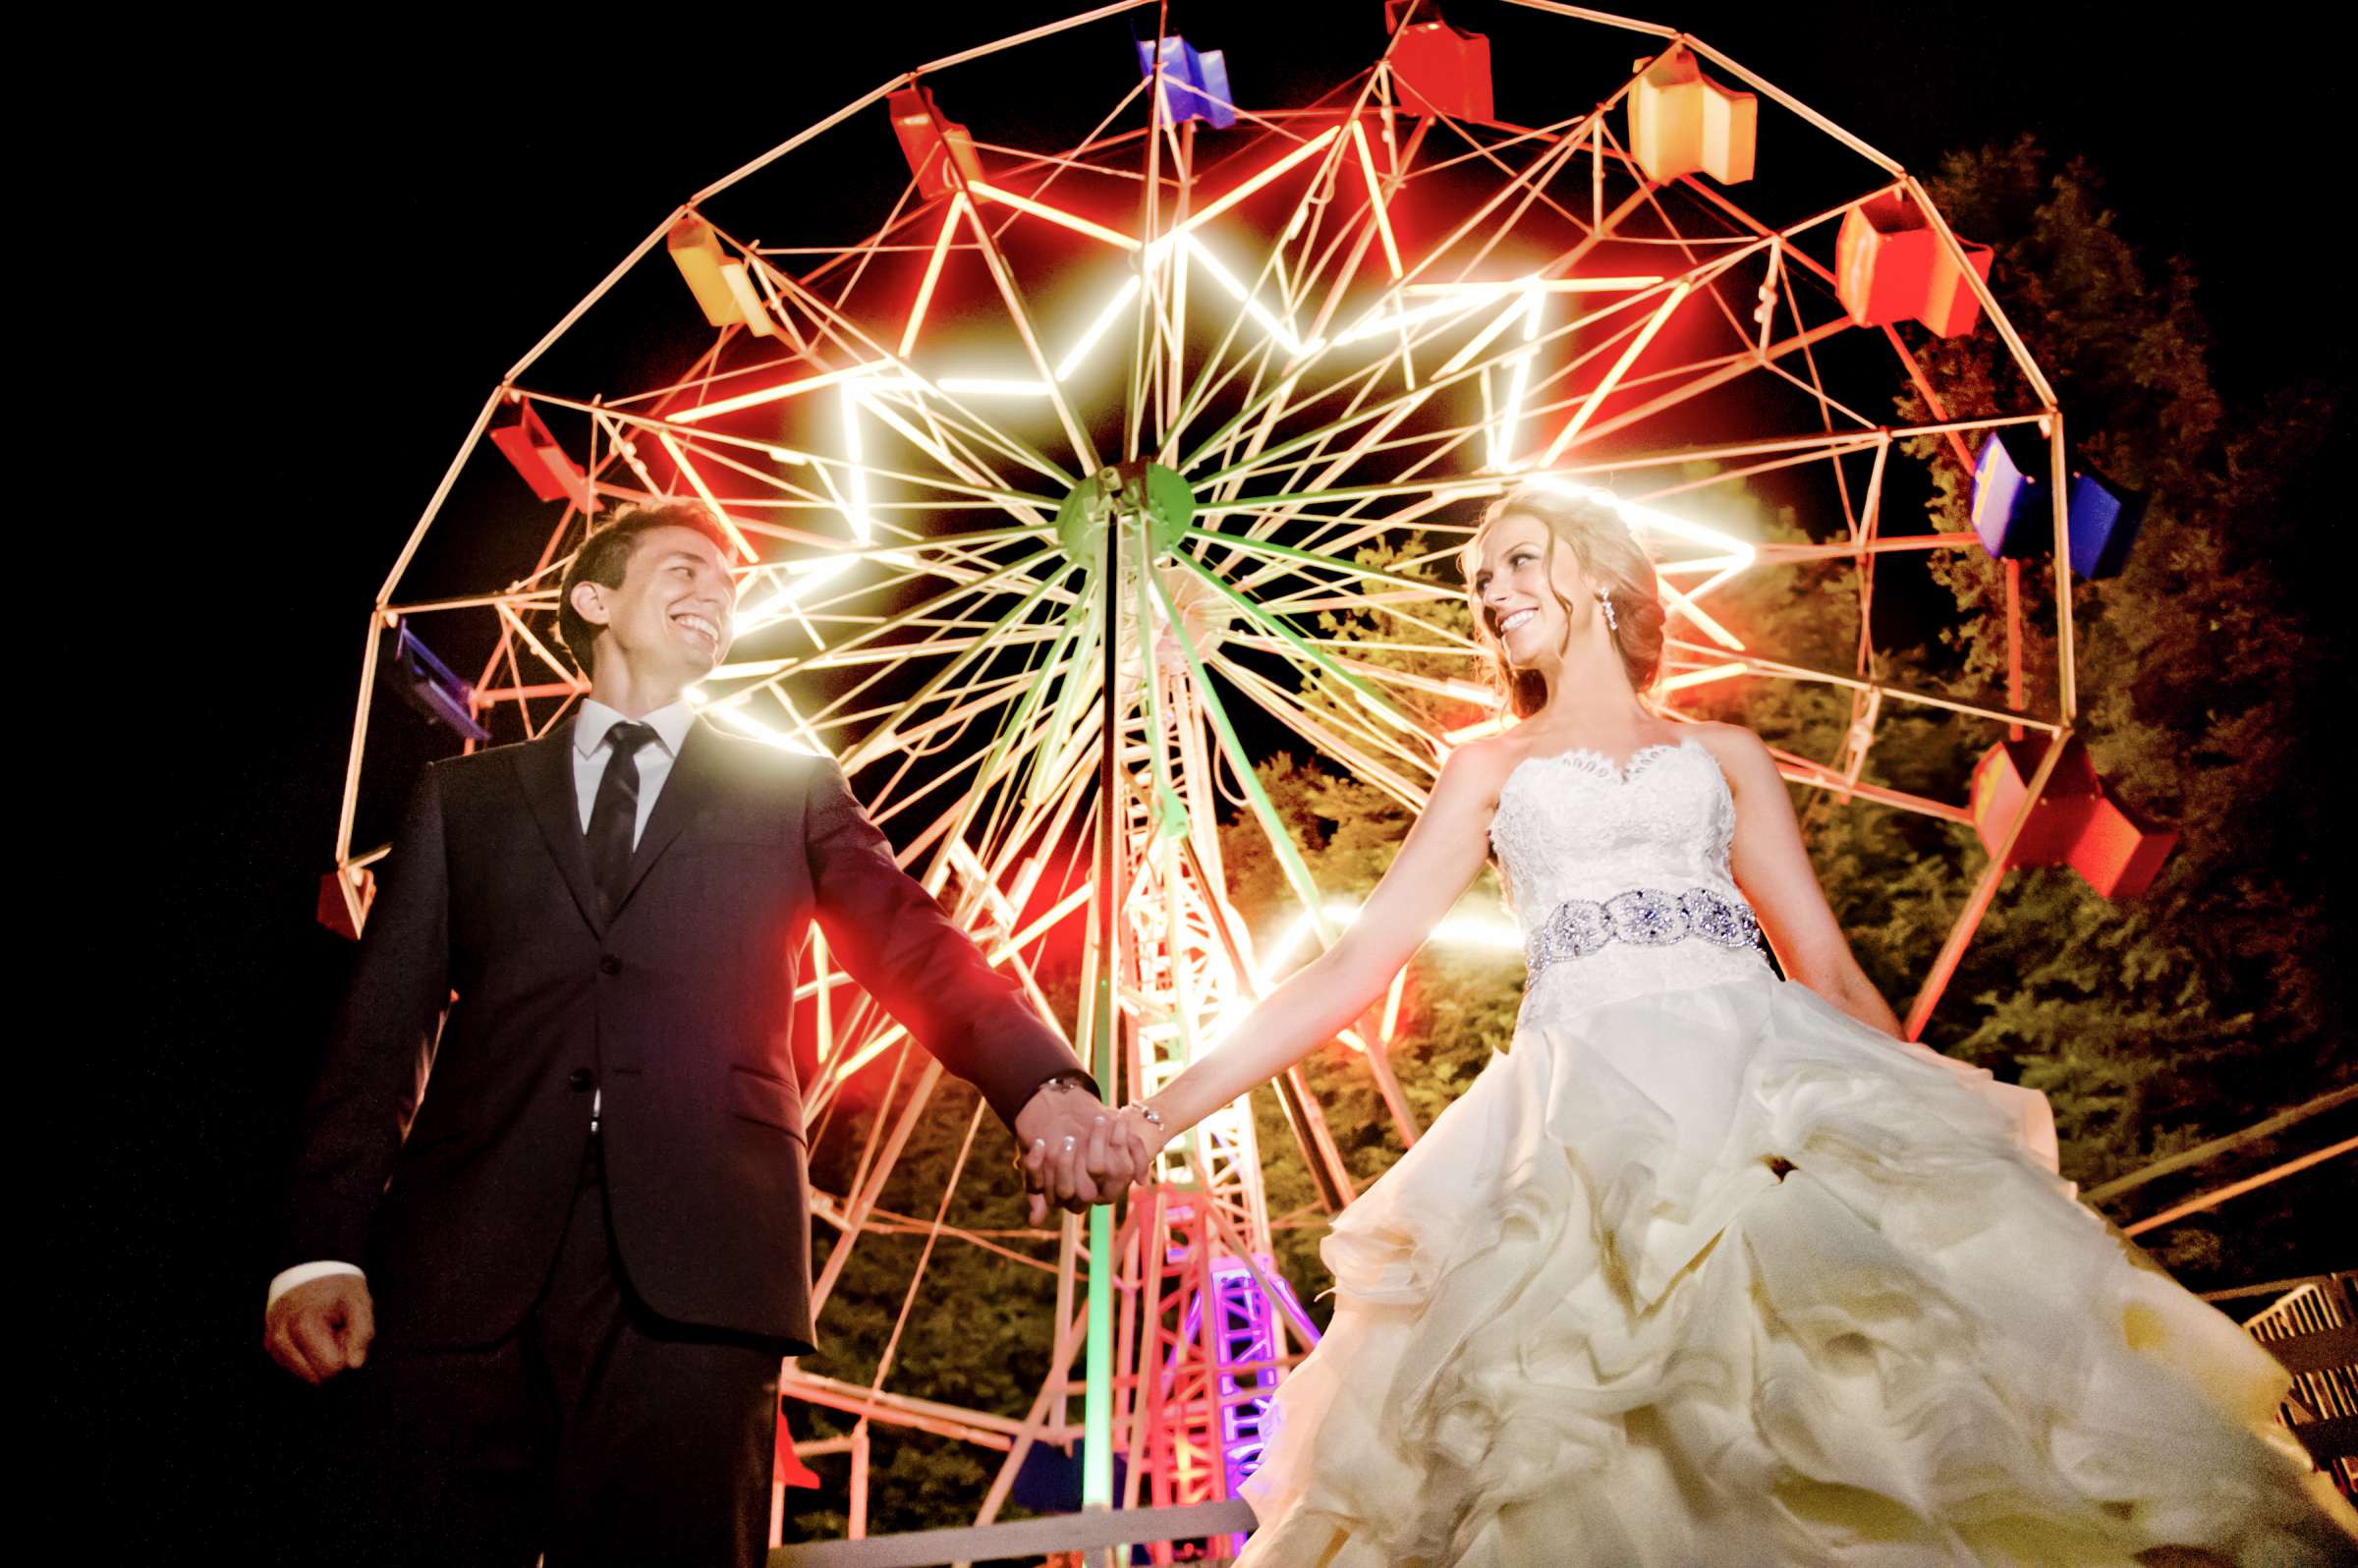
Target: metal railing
(2312,1329)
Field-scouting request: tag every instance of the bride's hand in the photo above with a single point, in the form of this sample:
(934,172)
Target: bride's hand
(1142,1137)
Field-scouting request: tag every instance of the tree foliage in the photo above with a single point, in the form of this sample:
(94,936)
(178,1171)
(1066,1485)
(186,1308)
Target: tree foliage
(2204,669)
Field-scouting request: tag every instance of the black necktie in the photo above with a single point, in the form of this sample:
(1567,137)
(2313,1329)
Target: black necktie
(614,813)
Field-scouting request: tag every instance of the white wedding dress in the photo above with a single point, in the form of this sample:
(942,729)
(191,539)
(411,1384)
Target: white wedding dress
(1705,1272)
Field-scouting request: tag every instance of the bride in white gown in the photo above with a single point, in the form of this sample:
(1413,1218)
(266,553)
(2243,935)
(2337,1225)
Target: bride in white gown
(1711,1269)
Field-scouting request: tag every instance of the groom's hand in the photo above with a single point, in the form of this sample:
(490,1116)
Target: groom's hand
(320,1327)
(1071,1154)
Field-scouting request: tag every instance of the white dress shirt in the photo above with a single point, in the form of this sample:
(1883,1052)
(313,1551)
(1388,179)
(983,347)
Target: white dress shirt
(591,755)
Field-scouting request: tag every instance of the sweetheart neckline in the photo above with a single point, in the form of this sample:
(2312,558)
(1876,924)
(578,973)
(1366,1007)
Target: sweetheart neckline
(1618,773)
(1621,775)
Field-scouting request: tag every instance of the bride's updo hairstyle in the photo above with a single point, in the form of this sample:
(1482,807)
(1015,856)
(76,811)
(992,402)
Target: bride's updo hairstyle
(1610,557)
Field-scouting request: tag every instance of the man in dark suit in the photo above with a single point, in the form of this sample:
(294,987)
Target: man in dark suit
(571,1261)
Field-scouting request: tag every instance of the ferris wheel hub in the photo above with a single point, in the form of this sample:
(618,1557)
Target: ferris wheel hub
(1149,497)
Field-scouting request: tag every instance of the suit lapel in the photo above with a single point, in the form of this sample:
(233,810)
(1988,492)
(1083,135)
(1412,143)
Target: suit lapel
(694,785)
(544,767)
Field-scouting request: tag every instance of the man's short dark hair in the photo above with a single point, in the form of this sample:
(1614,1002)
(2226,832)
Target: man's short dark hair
(605,555)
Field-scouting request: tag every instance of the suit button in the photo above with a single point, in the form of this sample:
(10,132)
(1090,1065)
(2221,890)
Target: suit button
(608,963)
(582,1081)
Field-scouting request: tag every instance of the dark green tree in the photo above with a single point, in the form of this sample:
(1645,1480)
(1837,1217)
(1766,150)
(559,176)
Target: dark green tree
(2204,669)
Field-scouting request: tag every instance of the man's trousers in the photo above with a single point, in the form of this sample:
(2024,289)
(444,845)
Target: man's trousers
(595,1432)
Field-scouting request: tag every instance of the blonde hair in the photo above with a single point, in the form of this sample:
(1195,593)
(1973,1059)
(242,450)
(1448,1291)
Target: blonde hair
(1610,557)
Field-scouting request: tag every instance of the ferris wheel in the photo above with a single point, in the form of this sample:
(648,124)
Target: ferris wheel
(1063,467)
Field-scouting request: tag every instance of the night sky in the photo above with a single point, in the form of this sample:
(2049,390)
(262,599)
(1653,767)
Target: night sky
(361,246)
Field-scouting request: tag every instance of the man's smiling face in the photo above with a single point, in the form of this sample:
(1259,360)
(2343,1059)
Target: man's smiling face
(670,617)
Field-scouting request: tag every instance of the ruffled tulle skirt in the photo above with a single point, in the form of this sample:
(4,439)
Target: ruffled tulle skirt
(1720,1277)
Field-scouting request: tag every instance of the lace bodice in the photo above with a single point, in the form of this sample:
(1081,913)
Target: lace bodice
(1571,825)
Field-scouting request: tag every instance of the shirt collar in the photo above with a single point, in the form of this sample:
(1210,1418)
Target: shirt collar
(670,723)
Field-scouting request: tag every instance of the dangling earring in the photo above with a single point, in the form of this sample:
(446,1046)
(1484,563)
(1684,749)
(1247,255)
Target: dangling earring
(1612,622)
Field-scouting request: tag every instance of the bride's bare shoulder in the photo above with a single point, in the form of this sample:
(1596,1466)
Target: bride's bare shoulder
(1740,754)
(1477,769)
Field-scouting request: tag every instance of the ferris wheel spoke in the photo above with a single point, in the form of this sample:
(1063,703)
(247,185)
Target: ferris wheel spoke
(1023,504)
(1211,382)
(1684,391)
(1541,169)
(984,643)
(952,637)
(897,797)
(1523,192)
(1003,278)
(1146,322)
(871,356)
(617,422)
(1321,701)
(859,720)
(1352,526)
(937,443)
(953,427)
(1451,688)
(1366,442)
(1327,736)
(1239,759)
(858,256)
(1282,552)
(1468,364)
(785,496)
(1814,387)
(1326,532)
(918,614)
(1328,149)
(1277,627)
(1262,461)
(1018,798)
(1900,694)
(1649,197)
(696,440)
(950,833)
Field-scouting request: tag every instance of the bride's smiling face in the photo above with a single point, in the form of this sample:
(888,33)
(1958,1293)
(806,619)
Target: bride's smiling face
(1522,587)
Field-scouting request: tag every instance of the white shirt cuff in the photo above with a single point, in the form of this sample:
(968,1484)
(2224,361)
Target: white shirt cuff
(303,1275)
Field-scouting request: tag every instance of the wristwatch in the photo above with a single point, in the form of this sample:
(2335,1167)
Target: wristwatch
(1071,1078)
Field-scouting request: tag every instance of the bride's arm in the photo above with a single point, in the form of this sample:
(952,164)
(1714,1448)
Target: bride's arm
(1443,853)
(1772,867)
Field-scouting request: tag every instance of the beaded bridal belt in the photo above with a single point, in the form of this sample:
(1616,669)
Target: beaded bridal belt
(1644,917)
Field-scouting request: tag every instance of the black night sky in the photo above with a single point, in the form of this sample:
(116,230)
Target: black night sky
(365,239)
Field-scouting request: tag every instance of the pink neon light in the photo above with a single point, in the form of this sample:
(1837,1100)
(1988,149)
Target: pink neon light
(1040,209)
(1714,672)
(712,501)
(1383,222)
(1498,725)
(1097,328)
(768,394)
(1542,284)
(925,289)
(1222,204)
(1612,377)
(1685,605)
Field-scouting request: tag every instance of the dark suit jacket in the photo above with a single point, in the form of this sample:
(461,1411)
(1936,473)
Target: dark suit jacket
(679,1009)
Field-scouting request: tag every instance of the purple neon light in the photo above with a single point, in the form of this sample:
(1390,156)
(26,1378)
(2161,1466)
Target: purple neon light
(1243,1332)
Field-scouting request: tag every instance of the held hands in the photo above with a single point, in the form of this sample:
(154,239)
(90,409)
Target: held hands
(1144,1133)
(1075,1151)
(320,1327)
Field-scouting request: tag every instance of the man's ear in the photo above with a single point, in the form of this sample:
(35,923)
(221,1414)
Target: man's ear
(590,603)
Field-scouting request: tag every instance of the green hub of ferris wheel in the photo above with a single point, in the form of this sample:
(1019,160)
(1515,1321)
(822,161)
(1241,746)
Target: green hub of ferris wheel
(1145,496)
